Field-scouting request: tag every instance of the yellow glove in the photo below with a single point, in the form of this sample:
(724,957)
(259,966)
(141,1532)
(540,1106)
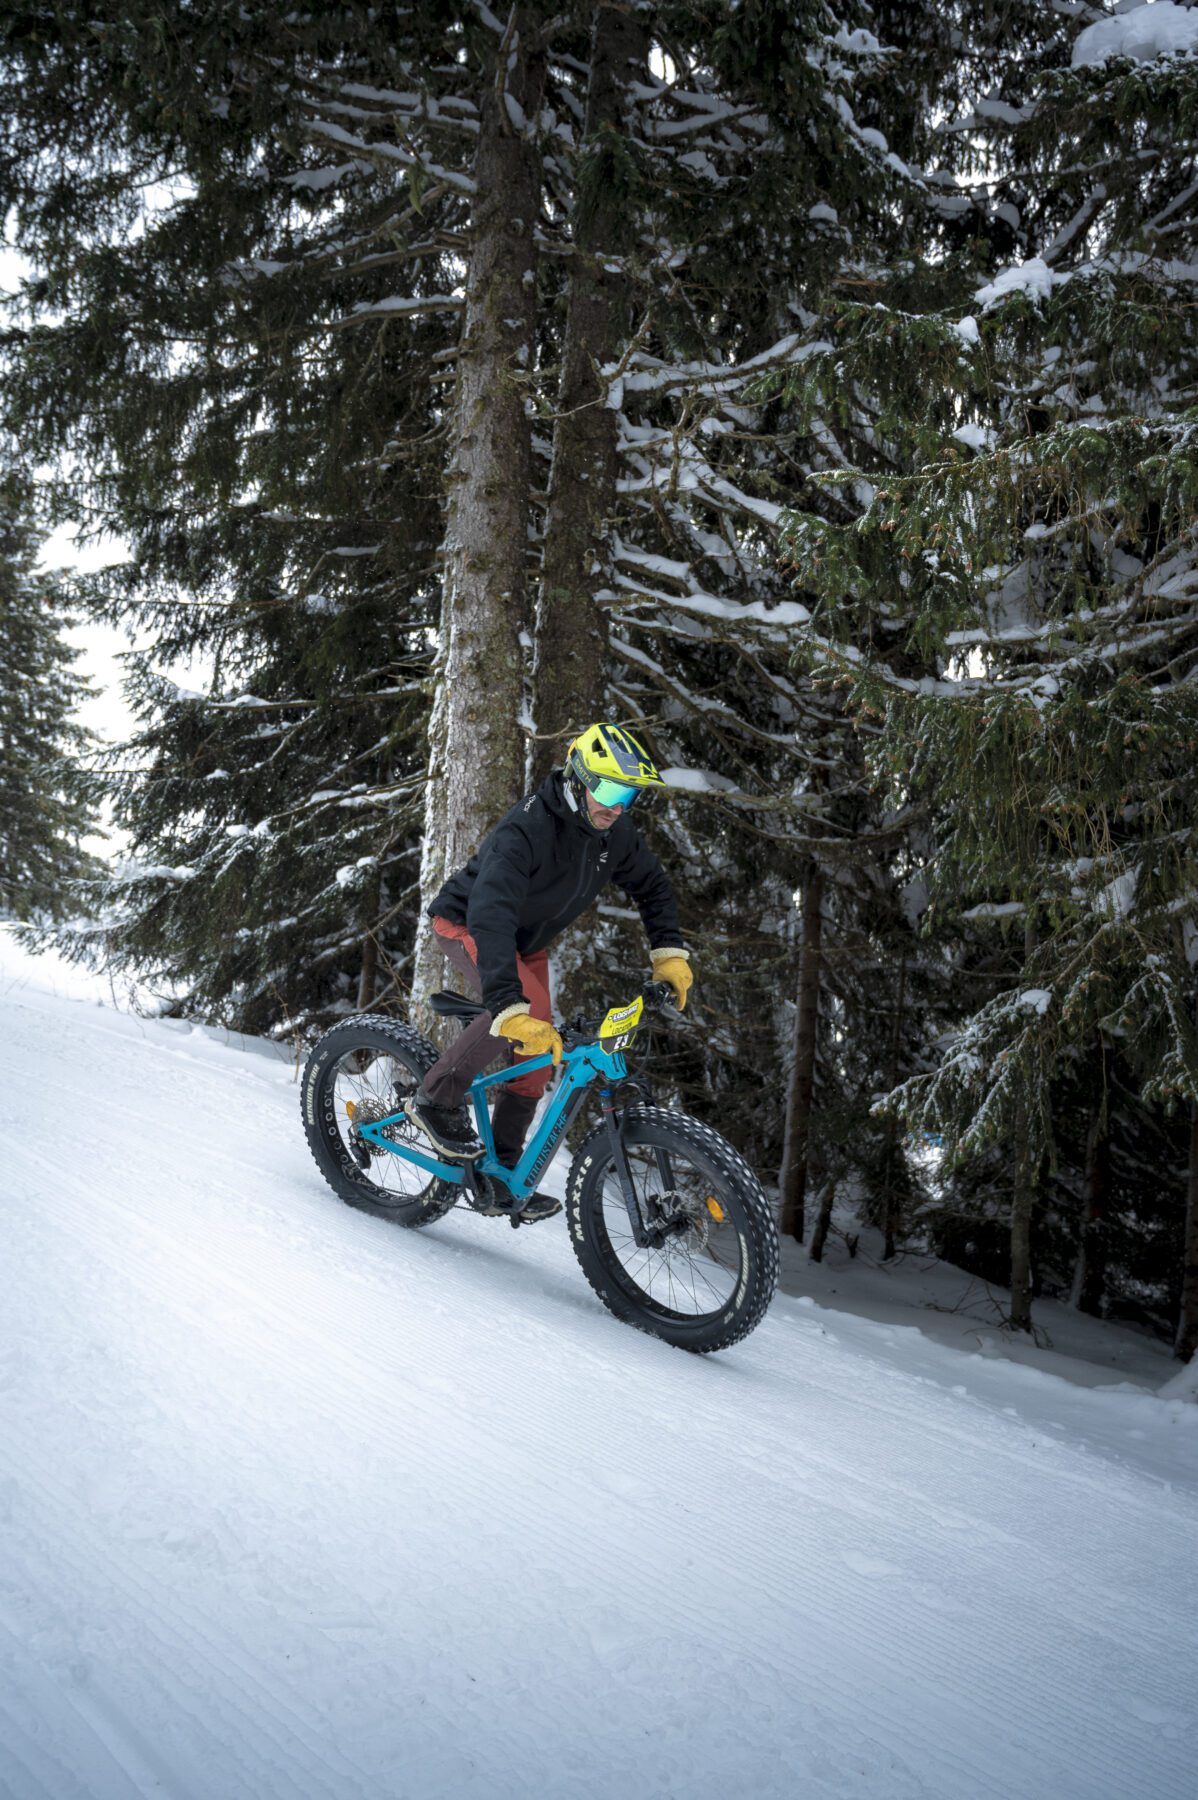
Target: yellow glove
(674,966)
(535,1037)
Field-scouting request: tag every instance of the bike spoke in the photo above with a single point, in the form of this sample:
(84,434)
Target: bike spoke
(695,1272)
(371,1087)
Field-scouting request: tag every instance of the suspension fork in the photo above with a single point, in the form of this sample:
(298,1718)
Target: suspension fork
(615,1134)
(664,1167)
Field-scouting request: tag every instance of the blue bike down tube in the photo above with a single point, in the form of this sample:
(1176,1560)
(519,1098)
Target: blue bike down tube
(539,1154)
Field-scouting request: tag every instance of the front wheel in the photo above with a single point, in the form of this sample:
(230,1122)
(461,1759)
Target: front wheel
(709,1272)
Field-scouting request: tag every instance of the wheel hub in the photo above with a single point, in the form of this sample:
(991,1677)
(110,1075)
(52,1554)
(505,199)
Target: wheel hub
(682,1225)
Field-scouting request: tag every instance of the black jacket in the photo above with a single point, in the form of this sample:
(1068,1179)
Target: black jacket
(540,867)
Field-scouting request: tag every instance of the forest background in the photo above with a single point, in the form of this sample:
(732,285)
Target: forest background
(811,387)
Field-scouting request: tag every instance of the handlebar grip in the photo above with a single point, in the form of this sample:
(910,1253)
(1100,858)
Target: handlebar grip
(659,993)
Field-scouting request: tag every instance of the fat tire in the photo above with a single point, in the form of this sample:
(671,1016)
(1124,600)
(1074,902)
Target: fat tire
(647,1126)
(364,1031)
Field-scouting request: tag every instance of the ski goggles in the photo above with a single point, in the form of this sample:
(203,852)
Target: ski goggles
(612,793)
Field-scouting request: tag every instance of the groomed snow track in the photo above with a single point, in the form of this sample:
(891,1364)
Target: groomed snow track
(295,1505)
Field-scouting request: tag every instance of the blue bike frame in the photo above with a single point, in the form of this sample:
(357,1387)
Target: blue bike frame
(580,1067)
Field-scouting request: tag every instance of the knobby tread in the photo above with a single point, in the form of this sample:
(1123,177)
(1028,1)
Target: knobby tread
(366,1031)
(645,1125)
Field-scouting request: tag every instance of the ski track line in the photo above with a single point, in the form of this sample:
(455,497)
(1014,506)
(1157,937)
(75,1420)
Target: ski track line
(185,1642)
(119,1761)
(848,1472)
(888,1723)
(813,1372)
(436,1790)
(1084,1477)
(178,1637)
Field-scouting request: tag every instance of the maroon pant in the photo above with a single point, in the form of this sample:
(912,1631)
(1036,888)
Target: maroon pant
(448,1081)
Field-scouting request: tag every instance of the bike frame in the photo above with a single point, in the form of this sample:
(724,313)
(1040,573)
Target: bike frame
(580,1066)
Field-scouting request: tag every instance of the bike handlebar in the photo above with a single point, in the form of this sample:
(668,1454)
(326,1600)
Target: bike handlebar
(658,997)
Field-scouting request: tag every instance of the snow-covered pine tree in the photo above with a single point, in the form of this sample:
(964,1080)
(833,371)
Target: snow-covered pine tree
(1014,605)
(738,190)
(772,198)
(226,387)
(477,751)
(44,810)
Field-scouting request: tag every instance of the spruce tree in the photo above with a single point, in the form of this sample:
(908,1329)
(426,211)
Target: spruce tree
(1011,609)
(44,811)
(224,387)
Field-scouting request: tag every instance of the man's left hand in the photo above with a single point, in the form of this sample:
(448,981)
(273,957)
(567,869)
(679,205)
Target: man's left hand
(674,966)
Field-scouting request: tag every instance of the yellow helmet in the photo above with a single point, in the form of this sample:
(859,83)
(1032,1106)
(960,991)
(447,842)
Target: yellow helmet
(612,763)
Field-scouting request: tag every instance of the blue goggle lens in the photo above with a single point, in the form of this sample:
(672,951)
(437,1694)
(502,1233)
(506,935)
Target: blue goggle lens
(613,793)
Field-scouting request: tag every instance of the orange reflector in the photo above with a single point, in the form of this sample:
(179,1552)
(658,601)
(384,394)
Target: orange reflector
(351,1107)
(715,1209)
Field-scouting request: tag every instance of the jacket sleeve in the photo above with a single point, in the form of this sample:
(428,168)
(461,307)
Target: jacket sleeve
(646,883)
(493,913)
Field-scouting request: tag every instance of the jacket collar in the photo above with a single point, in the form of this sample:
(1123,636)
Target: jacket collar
(553,792)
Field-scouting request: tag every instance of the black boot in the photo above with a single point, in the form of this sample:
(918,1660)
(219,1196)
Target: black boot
(511,1117)
(510,1120)
(447,1128)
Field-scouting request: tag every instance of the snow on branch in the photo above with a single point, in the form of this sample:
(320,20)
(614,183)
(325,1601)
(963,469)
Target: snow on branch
(1141,35)
(754,614)
(317,180)
(397,305)
(462,184)
(714,712)
(646,374)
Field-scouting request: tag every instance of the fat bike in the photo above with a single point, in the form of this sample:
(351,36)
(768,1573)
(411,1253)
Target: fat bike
(668,1221)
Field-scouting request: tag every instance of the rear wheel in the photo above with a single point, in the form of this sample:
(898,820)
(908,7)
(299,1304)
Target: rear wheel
(708,1273)
(360,1072)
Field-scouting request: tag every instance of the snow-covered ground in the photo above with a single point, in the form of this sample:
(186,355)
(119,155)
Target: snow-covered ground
(296,1504)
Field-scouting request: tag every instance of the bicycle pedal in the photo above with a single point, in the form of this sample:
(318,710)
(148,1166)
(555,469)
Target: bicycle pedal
(536,1208)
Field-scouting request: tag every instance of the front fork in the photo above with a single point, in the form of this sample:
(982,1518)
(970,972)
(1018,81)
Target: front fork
(643,1234)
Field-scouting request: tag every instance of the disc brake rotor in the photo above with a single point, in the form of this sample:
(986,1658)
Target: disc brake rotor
(368,1111)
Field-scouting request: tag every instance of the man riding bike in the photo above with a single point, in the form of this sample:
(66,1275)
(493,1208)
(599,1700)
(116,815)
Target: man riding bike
(543,864)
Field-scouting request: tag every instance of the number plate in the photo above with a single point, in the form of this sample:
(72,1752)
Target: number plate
(620,1026)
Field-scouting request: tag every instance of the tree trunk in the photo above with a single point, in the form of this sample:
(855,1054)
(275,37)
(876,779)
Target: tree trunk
(1186,1342)
(1021,1244)
(368,978)
(823,1219)
(890,1212)
(1089,1275)
(476,746)
(1023,1196)
(571,635)
(792,1177)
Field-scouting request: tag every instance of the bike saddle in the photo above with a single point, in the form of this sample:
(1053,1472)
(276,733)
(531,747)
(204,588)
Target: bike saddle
(455,1006)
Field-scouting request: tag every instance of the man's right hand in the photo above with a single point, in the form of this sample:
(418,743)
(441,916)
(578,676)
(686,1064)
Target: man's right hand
(534,1037)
